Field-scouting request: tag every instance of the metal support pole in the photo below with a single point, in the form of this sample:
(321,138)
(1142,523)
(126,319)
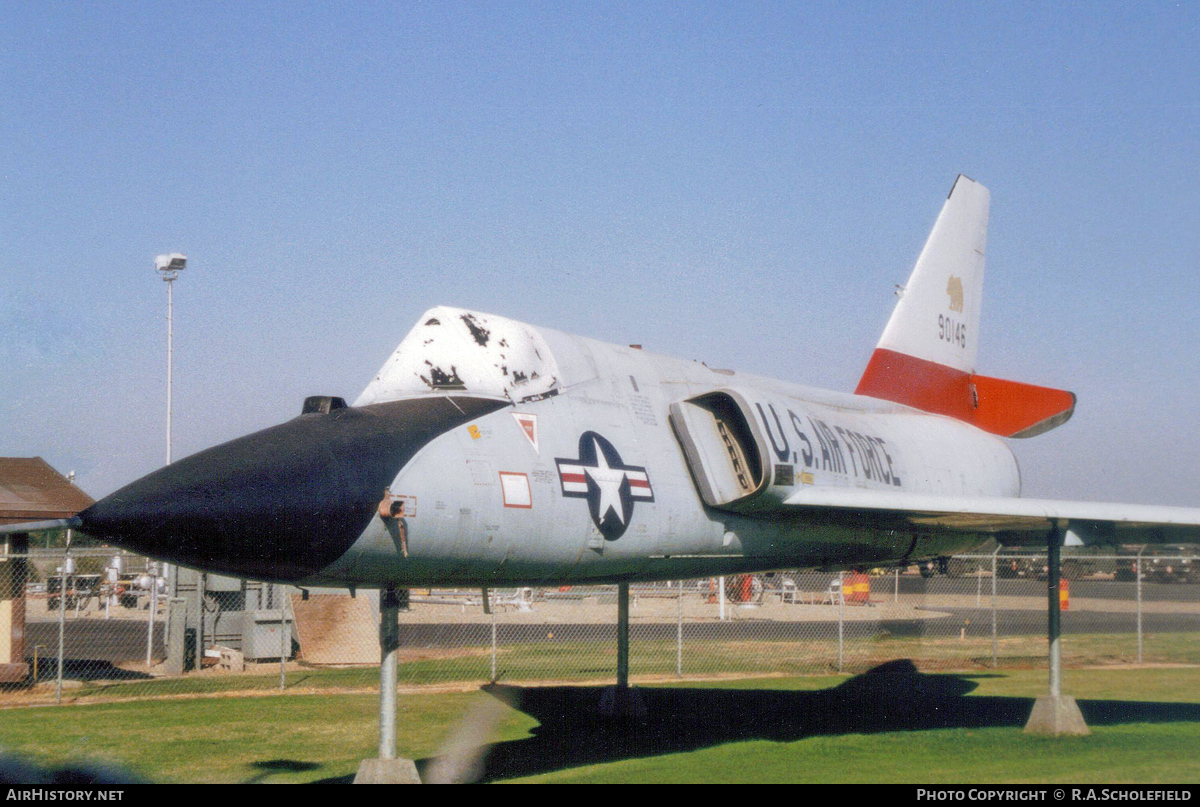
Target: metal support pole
(62,616)
(387,768)
(841,618)
(995,641)
(171,575)
(679,630)
(1137,572)
(492,608)
(153,575)
(170,357)
(169,278)
(1055,714)
(285,633)
(1053,573)
(896,593)
(201,638)
(622,635)
(389,643)
(721,596)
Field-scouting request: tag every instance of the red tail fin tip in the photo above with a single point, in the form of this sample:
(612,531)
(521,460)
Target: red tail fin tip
(1007,408)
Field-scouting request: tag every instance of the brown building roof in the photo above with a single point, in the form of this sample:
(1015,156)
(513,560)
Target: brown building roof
(30,490)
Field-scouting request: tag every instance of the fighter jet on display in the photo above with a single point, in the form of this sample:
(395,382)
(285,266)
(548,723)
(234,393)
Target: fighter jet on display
(491,453)
(488,452)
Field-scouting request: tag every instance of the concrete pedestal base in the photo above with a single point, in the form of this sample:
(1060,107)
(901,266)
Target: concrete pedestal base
(387,772)
(1057,716)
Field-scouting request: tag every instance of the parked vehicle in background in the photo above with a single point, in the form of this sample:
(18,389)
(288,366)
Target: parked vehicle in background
(1077,562)
(954,566)
(1027,564)
(1170,563)
(976,565)
(1082,561)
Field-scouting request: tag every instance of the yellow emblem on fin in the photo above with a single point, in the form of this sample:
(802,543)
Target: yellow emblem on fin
(954,290)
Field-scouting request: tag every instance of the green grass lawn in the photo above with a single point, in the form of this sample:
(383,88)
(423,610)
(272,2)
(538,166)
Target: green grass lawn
(948,728)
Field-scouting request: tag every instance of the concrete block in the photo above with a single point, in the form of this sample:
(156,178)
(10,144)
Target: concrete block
(231,660)
(387,772)
(176,661)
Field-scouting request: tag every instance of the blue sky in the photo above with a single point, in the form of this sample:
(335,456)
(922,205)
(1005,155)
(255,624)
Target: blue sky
(742,183)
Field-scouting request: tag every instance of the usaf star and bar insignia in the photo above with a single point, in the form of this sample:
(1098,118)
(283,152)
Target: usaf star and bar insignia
(610,486)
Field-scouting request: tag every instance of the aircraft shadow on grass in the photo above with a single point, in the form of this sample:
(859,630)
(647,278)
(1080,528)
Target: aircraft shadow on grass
(87,670)
(891,697)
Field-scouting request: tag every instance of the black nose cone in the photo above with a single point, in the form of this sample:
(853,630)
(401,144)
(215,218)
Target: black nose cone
(282,503)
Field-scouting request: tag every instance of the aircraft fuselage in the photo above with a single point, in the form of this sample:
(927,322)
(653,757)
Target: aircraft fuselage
(594,483)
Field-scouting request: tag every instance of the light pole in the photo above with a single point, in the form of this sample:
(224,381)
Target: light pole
(169,266)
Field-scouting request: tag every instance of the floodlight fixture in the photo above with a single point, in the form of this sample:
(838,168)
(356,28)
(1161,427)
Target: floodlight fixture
(170,265)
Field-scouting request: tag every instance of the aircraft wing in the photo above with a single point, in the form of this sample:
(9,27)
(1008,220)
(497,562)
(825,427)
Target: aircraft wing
(1015,521)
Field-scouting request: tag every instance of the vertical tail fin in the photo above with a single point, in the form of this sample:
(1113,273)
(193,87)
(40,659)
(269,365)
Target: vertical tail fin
(937,318)
(926,357)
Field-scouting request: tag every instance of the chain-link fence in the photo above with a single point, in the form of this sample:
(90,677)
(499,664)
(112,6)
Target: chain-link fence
(125,628)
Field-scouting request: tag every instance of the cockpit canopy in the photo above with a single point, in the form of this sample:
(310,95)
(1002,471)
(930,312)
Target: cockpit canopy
(455,350)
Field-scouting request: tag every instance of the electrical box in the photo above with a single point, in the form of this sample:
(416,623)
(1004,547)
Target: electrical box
(265,634)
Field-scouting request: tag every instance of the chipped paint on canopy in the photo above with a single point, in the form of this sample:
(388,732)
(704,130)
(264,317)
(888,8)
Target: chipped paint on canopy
(455,350)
